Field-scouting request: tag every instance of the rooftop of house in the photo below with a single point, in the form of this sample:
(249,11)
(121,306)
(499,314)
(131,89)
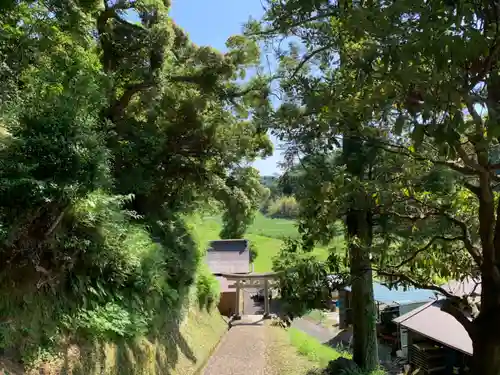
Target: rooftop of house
(228,256)
(466,287)
(238,245)
(429,321)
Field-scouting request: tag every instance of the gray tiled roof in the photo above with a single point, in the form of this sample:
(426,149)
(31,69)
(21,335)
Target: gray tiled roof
(428,320)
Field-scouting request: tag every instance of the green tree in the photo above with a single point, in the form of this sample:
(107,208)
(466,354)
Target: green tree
(284,207)
(429,77)
(303,114)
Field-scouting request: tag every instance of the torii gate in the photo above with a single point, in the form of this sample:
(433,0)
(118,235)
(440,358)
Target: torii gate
(253,280)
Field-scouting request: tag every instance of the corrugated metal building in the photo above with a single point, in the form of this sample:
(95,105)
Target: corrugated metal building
(410,297)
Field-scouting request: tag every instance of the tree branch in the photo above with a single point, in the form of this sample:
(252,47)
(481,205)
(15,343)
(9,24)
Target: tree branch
(467,159)
(118,107)
(400,150)
(466,239)
(56,222)
(405,278)
(426,247)
(309,56)
(110,11)
(472,188)
(280,29)
(486,66)
(407,217)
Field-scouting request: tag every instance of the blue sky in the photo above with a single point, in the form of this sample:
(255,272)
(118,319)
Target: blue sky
(211,22)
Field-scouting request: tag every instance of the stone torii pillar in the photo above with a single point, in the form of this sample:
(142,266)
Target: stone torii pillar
(266,299)
(237,314)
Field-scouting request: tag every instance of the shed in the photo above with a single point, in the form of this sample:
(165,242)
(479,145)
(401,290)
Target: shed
(391,303)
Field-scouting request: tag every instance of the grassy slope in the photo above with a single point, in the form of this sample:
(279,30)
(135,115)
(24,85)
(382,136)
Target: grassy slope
(184,353)
(283,358)
(293,352)
(317,353)
(312,349)
(265,233)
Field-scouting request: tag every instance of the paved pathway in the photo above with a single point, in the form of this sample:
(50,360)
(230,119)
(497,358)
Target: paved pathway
(242,350)
(322,334)
(251,307)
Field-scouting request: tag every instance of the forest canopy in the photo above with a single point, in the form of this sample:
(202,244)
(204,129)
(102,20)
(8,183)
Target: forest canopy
(392,109)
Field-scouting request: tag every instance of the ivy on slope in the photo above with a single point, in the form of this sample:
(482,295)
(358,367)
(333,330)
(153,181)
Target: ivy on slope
(112,131)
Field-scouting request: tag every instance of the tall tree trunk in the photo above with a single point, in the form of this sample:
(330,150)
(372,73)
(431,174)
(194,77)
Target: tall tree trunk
(486,327)
(486,343)
(359,235)
(365,352)
(485,332)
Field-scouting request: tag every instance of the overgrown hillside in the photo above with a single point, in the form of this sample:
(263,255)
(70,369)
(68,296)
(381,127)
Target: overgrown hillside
(181,345)
(115,127)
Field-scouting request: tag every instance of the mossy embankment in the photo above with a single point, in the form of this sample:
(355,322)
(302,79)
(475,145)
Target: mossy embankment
(154,323)
(182,351)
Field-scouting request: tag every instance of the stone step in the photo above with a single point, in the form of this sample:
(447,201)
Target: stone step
(248,319)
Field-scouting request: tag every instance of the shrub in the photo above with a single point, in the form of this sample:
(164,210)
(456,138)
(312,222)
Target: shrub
(284,208)
(344,366)
(302,282)
(207,288)
(253,252)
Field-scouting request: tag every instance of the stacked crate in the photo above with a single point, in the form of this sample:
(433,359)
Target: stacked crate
(427,357)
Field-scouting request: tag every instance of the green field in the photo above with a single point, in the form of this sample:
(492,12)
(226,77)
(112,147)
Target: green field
(265,234)
(273,228)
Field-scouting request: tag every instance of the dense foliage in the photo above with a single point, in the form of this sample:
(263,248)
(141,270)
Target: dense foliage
(408,92)
(114,127)
(303,279)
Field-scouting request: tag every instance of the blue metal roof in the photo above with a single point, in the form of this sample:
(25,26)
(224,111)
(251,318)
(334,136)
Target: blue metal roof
(398,295)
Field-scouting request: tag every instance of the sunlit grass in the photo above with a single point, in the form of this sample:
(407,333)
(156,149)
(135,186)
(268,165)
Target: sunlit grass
(265,234)
(312,349)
